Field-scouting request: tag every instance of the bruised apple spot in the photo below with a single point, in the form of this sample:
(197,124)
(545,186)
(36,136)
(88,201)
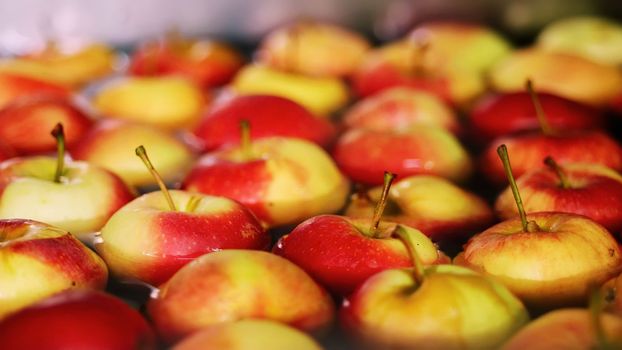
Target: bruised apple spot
(68,255)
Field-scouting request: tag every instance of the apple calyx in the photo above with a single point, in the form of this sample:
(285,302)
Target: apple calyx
(554,166)
(59,134)
(528,226)
(382,203)
(545,127)
(596,308)
(418,269)
(142,154)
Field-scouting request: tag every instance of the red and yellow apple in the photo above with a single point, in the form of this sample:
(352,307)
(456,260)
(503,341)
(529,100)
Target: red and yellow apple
(14,87)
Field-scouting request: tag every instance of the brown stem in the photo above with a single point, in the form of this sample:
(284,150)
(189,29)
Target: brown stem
(542,119)
(552,164)
(59,134)
(245,138)
(418,269)
(382,203)
(142,154)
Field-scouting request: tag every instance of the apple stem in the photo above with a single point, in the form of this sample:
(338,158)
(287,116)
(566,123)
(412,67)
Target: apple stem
(418,269)
(420,47)
(552,164)
(193,203)
(596,312)
(531,226)
(245,137)
(142,154)
(382,203)
(542,120)
(59,134)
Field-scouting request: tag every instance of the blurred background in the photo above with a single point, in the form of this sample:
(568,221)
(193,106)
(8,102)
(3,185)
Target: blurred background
(26,25)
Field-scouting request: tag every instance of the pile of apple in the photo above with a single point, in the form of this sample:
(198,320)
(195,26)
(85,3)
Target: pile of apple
(441,191)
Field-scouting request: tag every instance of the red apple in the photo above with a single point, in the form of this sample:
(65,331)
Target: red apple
(207,63)
(363,155)
(504,114)
(153,236)
(14,87)
(77,319)
(268,115)
(38,260)
(230,285)
(26,123)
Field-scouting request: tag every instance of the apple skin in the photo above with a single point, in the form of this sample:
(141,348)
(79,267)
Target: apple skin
(590,82)
(401,108)
(554,266)
(451,309)
(565,329)
(111,144)
(230,285)
(441,210)
(511,113)
(69,69)
(32,252)
(146,241)
(166,102)
(320,95)
(364,155)
(595,191)
(284,181)
(26,123)
(529,150)
(27,190)
(14,87)
(340,253)
(77,319)
(207,63)
(248,335)
(268,116)
(309,47)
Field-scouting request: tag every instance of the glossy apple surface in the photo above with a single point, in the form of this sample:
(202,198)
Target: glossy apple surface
(111,144)
(282,180)
(81,202)
(268,116)
(38,260)
(441,210)
(77,319)
(147,241)
(230,285)
(555,264)
(364,155)
(593,190)
(341,253)
(451,308)
(248,335)
(14,87)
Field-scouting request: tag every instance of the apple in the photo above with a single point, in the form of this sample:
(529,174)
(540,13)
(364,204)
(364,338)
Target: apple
(363,155)
(38,260)
(570,328)
(26,123)
(250,334)
(72,69)
(401,108)
(269,116)
(6,152)
(512,113)
(153,236)
(77,319)
(548,259)
(110,144)
(207,63)
(437,307)
(231,285)
(309,47)
(14,87)
(595,38)
(611,293)
(586,189)
(591,83)
(165,102)
(320,95)
(282,180)
(60,191)
(441,210)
